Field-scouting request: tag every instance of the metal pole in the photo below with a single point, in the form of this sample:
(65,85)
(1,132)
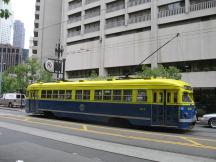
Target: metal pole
(1,73)
(63,73)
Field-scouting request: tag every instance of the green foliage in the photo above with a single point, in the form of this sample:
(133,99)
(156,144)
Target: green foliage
(160,71)
(18,77)
(4,13)
(94,76)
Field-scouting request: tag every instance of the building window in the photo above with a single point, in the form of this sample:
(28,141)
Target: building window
(35,34)
(37,0)
(35,43)
(74,18)
(115,22)
(93,12)
(36,25)
(34,52)
(116,5)
(37,8)
(37,16)
(93,27)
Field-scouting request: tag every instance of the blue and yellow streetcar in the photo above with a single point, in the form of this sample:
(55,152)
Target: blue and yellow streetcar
(143,102)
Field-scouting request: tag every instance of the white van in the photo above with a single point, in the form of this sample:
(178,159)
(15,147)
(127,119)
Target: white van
(13,99)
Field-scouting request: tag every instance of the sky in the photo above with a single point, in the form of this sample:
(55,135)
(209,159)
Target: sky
(24,10)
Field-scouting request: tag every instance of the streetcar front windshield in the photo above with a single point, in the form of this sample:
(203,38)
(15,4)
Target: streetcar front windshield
(186,97)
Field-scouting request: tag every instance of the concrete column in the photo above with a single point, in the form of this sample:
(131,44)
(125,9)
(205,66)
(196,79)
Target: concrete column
(82,17)
(102,70)
(187,6)
(126,12)
(154,33)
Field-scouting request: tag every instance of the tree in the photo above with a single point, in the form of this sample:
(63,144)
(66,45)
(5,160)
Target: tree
(20,76)
(170,72)
(4,13)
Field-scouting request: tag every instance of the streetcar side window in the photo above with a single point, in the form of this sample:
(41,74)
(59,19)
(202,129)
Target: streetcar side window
(78,95)
(168,97)
(43,94)
(49,94)
(142,96)
(107,95)
(117,95)
(155,97)
(127,95)
(61,94)
(86,95)
(175,97)
(68,94)
(98,95)
(55,94)
(161,97)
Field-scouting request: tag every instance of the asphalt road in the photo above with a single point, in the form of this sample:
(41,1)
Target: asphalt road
(79,141)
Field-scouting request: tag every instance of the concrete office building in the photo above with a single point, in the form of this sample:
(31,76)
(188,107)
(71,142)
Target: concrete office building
(109,36)
(47,28)
(19,34)
(6,25)
(11,56)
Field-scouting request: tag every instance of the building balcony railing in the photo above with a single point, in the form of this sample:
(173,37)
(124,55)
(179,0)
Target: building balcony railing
(137,2)
(72,34)
(74,6)
(139,19)
(91,1)
(116,8)
(73,20)
(202,6)
(115,24)
(90,15)
(176,11)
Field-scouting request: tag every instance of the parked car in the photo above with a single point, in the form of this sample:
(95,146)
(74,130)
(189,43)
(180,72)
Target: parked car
(208,119)
(13,99)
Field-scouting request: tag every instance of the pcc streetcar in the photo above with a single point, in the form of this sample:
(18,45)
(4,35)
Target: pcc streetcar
(144,102)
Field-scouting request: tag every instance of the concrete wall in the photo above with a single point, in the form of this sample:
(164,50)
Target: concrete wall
(49,28)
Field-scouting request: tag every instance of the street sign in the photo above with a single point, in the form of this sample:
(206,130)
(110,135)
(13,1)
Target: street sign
(49,66)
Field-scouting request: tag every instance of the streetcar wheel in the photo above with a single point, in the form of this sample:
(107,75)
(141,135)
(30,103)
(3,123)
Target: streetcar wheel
(212,122)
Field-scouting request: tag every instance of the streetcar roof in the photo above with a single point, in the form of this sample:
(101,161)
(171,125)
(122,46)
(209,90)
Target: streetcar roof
(92,83)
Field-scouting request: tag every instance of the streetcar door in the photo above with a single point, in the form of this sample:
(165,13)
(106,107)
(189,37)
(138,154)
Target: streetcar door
(172,108)
(34,101)
(158,107)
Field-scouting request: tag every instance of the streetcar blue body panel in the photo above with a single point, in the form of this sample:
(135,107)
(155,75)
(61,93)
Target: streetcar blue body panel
(137,114)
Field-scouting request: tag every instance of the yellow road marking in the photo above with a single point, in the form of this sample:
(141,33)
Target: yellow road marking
(84,128)
(192,141)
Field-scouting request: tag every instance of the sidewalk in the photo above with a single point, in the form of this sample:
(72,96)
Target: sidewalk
(12,109)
